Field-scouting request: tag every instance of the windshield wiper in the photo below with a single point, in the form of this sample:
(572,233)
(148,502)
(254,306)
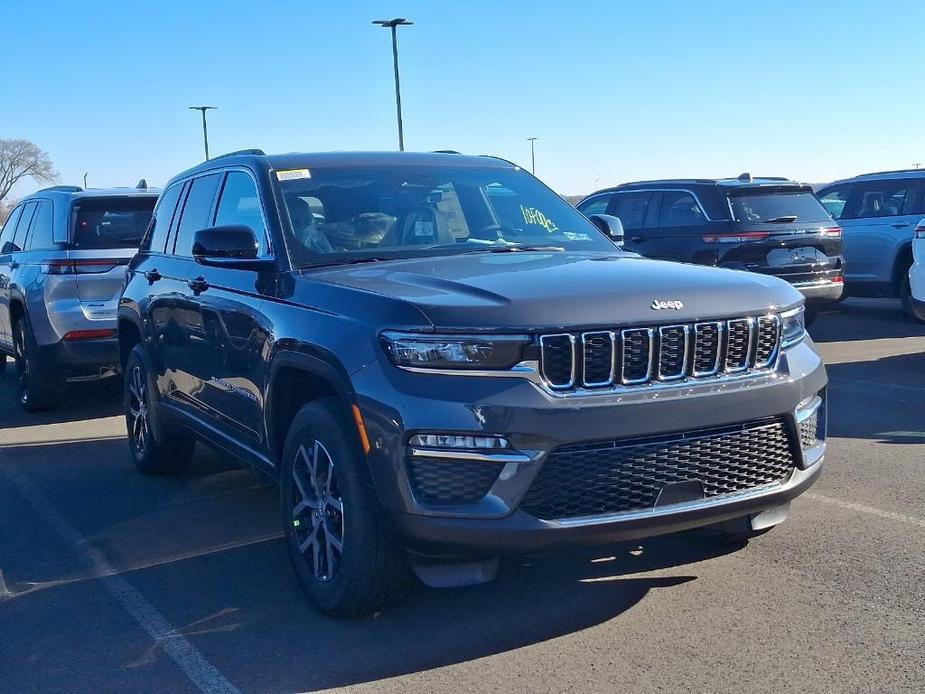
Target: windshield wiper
(783,219)
(523,247)
(344,261)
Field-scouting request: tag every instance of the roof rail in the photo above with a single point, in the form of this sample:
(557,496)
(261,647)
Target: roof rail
(444,151)
(63,189)
(257,152)
(894,171)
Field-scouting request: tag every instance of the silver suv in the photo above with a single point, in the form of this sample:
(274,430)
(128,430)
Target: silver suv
(878,213)
(63,253)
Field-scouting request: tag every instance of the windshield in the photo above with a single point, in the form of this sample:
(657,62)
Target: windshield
(777,206)
(118,222)
(347,215)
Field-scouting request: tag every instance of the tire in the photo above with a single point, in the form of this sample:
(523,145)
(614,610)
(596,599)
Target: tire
(905,295)
(157,448)
(39,387)
(2,364)
(321,511)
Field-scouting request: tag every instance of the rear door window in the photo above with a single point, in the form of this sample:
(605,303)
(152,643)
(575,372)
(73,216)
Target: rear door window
(163,216)
(886,198)
(196,212)
(22,226)
(631,208)
(680,209)
(42,225)
(9,229)
(776,206)
(116,222)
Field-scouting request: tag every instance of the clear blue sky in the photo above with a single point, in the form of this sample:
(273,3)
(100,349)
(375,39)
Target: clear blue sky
(614,90)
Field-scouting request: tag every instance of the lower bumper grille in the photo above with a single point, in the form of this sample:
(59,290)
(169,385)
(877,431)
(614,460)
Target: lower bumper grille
(451,481)
(603,478)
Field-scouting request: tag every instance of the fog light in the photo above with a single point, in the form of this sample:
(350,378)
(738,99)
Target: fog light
(456,441)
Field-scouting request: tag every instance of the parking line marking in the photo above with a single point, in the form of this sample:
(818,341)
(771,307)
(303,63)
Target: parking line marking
(851,506)
(184,654)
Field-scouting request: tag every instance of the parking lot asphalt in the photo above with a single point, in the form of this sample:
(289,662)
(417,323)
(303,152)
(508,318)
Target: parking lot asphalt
(112,581)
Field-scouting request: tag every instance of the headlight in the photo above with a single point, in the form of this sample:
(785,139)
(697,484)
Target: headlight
(454,351)
(793,327)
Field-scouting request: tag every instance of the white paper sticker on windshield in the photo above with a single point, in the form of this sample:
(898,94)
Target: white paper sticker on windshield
(293,174)
(423,228)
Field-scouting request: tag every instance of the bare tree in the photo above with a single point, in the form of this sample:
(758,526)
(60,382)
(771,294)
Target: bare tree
(21,159)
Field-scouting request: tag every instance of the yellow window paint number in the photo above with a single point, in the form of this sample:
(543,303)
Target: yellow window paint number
(534,216)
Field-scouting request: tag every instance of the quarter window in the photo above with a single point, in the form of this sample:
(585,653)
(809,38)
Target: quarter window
(41,237)
(240,204)
(631,208)
(596,205)
(680,209)
(196,212)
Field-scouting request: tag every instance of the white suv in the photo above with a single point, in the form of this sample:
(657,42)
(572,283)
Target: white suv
(917,272)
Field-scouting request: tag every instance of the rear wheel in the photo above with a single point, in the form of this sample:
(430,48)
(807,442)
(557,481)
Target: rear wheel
(343,554)
(905,295)
(39,388)
(156,446)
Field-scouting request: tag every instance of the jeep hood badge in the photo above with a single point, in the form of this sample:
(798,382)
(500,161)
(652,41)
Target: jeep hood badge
(660,304)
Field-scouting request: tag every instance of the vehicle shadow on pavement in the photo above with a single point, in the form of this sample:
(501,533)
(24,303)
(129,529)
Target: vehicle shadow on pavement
(204,548)
(79,401)
(864,319)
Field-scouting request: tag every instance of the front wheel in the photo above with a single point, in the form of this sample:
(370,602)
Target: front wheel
(343,554)
(156,446)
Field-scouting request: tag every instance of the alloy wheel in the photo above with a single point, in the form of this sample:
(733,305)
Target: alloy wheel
(138,410)
(317,510)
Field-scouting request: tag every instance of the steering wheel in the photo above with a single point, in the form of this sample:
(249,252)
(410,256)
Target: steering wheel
(485,231)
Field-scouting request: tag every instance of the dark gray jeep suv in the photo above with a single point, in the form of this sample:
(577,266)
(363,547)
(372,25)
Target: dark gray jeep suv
(441,362)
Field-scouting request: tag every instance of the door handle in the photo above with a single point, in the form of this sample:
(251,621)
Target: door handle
(153,276)
(900,225)
(638,239)
(198,285)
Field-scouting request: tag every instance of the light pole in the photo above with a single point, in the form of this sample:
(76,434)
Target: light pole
(205,129)
(393,24)
(532,155)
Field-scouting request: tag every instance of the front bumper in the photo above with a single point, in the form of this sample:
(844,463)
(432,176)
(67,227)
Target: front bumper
(536,423)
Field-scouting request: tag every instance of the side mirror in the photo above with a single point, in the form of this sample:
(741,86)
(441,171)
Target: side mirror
(232,241)
(610,225)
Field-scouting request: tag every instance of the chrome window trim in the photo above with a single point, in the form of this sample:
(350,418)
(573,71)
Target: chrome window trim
(687,335)
(694,195)
(613,358)
(648,376)
(572,341)
(720,331)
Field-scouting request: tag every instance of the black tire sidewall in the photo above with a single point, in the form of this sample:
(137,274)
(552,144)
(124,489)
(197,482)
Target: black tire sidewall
(320,421)
(40,393)
(166,449)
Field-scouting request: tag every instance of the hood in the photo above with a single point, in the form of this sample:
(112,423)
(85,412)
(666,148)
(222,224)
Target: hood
(531,290)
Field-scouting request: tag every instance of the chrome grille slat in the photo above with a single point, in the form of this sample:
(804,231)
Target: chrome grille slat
(557,360)
(672,352)
(637,347)
(675,353)
(598,361)
(708,342)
